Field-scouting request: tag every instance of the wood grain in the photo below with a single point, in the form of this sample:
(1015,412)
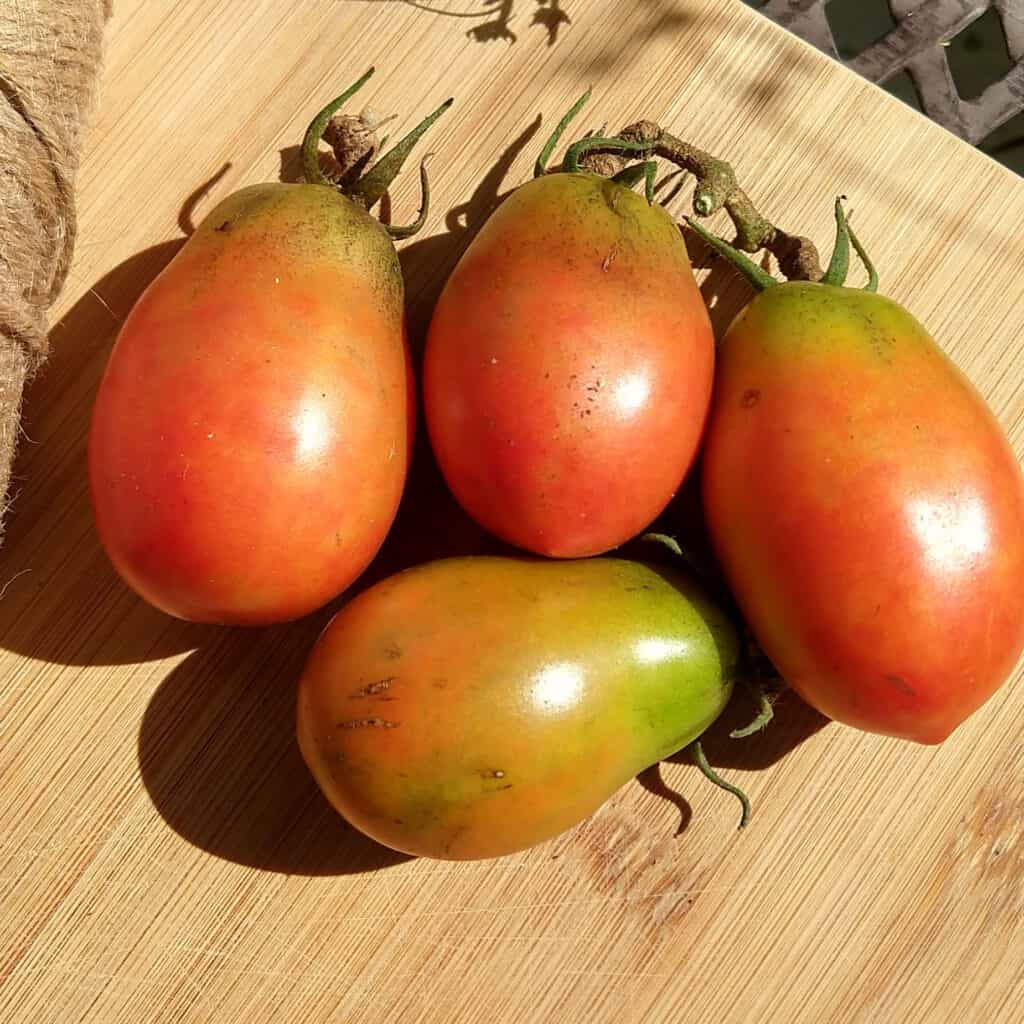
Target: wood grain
(163,854)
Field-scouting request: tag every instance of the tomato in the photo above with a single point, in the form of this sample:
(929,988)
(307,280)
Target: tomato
(867,509)
(471,707)
(568,367)
(251,434)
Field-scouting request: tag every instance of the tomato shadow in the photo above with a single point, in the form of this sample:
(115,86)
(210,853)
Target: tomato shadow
(218,756)
(427,263)
(652,781)
(91,617)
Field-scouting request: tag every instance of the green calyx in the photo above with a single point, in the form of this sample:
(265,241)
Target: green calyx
(628,176)
(540,168)
(839,266)
(372,186)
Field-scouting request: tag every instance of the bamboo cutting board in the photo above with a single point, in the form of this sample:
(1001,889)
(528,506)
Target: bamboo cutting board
(163,854)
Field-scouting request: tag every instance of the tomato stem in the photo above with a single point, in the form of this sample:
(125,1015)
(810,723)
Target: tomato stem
(839,265)
(765,712)
(700,760)
(717,188)
(311,141)
(759,278)
(540,168)
(378,179)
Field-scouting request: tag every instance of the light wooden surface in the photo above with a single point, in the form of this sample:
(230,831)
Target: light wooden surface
(163,854)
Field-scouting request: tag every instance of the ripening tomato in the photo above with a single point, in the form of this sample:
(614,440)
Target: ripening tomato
(471,707)
(568,367)
(250,438)
(867,509)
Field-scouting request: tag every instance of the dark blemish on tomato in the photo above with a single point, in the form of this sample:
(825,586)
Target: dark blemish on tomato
(440,684)
(398,821)
(226,226)
(899,683)
(392,651)
(750,398)
(337,539)
(367,723)
(498,789)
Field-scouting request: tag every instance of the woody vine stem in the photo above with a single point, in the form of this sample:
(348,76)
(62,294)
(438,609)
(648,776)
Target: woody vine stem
(717,187)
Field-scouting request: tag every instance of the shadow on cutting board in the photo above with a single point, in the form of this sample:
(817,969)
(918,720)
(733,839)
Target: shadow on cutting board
(218,757)
(495,16)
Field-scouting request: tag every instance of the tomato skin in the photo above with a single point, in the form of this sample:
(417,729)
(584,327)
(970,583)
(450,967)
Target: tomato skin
(250,437)
(568,367)
(472,707)
(867,510)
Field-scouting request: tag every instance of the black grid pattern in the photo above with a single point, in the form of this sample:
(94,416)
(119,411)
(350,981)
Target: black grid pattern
(917,45)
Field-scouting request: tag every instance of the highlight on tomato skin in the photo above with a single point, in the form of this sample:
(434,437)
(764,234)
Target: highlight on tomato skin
(472,707)
(568,366)
(867,510)
(252,432)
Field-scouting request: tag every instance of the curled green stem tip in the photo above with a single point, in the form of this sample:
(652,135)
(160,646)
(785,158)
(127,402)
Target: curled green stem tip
(311,141)
(417,225)
(759,278)
(872,285)
(701,761)
(666,541)
(839,265)
(540,168)
(765,713)
(377,180)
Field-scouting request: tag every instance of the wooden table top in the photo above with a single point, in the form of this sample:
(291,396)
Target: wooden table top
(164,855)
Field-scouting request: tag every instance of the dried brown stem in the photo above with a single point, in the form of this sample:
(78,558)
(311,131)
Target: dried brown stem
(717,188)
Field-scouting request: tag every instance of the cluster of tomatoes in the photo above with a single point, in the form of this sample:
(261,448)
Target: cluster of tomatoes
(252,436)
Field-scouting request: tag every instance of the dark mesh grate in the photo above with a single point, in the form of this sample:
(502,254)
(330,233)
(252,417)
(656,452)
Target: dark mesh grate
(914,43)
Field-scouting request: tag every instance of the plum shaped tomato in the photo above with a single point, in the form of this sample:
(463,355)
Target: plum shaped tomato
(250,438)
(569,363)
(472,707)
(866,507)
